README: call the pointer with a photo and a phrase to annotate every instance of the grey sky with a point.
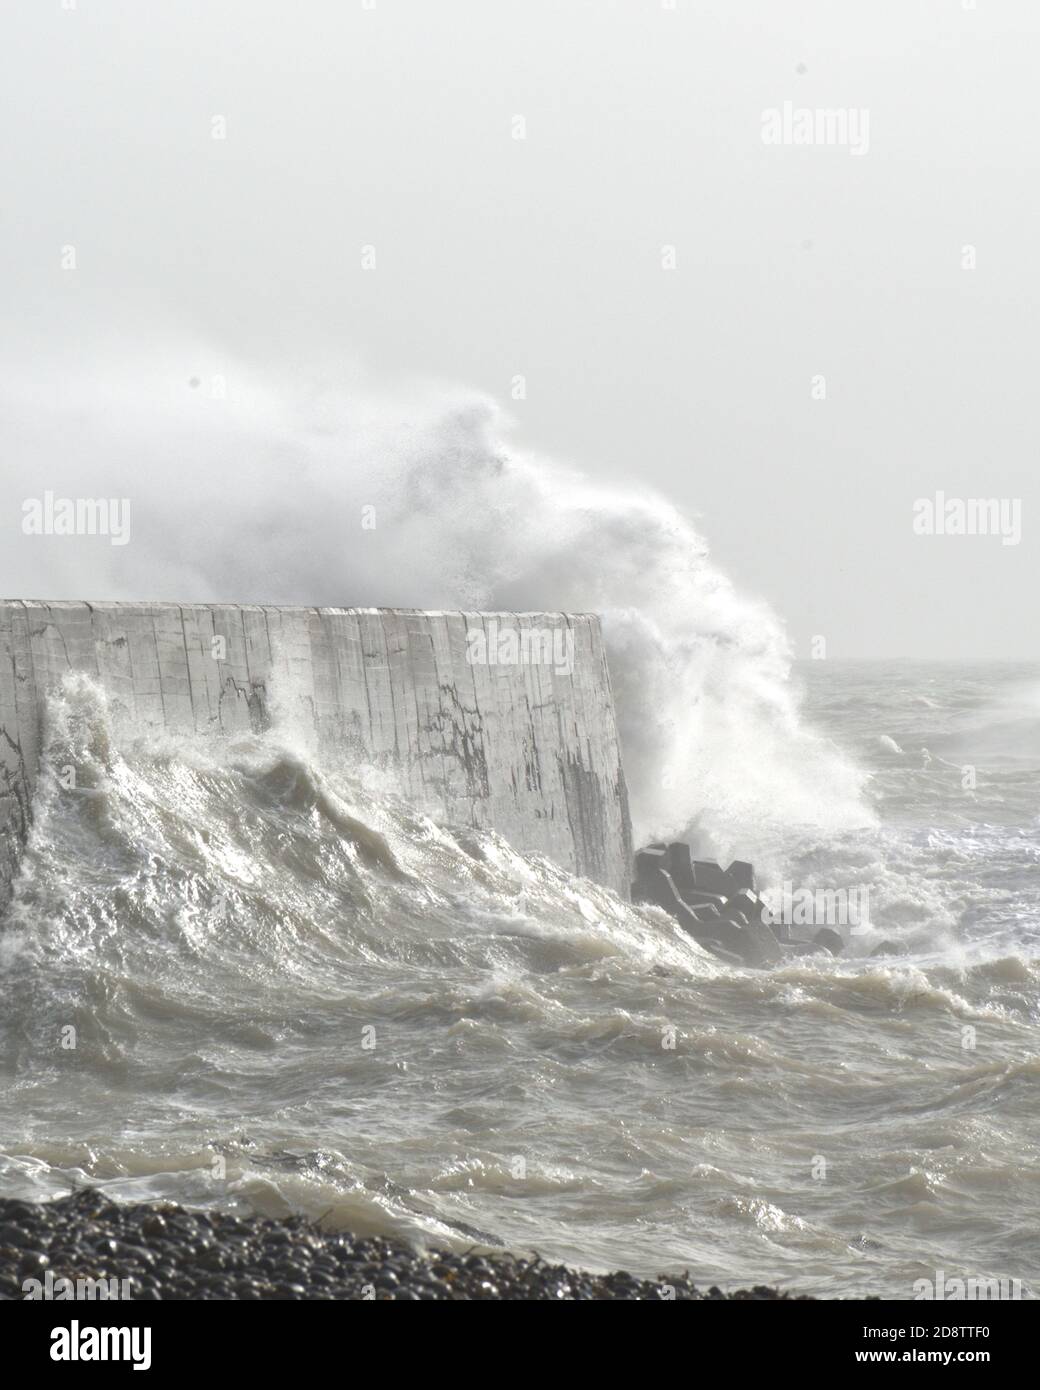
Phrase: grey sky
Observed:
(393, 127)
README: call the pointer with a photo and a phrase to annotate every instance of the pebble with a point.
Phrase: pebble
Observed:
(168, 1252)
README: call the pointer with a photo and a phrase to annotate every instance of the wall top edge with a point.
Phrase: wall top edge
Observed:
(113, 606)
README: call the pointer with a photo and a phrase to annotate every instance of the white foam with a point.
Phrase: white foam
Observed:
(260, 497)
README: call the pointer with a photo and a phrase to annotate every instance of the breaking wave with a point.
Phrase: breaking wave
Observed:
(259, 497)
(241, 975)
(290, 991)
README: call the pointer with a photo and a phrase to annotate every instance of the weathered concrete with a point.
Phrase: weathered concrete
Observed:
(529, 748)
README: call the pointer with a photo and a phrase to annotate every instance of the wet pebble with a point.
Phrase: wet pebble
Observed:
(168, 1252)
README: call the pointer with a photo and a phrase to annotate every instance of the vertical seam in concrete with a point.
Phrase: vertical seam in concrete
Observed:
(415, 701)
(272, 674)
(187, 667)
(158, 667)
(246, 694)
(390, 686)
(39, 697)
(364, 674)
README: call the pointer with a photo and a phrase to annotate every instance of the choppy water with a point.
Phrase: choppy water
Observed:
(290, 990)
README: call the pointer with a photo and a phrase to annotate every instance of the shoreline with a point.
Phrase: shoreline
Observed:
(162, 1251)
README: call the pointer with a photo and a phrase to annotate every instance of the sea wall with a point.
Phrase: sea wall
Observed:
(503, 721)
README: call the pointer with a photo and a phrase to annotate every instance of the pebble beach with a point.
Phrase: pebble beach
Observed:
(85, 1246)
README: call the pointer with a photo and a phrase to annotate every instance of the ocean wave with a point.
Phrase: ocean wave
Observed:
(306, 995)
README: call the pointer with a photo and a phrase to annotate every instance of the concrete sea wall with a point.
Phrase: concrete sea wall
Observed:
(526, 745)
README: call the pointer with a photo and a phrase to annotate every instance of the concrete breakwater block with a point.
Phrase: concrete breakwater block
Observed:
(700, 880)
(830, 940)
(750, 905)
(741, 876)
(749, 943)
(720, 908)
(889, 948)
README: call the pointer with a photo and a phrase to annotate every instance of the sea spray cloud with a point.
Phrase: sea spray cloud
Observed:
(269, 494)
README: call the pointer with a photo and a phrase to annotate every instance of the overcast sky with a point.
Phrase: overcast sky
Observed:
(392, 125)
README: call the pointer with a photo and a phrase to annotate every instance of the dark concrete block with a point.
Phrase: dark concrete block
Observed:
(710, 878)
(748, 904)
(698, 899)
(780, 929)
(830, 939)
(726, 920)
(741, 875)
(653, 857)
(680, 867)
(760, 947)
(649, 862)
